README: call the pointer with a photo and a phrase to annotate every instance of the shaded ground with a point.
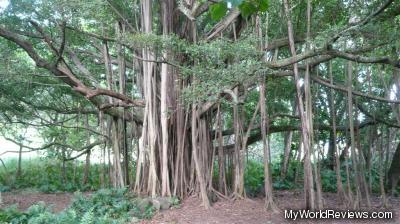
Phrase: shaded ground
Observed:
(251, 211)
(247, 211)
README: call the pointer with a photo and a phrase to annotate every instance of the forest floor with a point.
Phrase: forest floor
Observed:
(26, 198)
(249, 211)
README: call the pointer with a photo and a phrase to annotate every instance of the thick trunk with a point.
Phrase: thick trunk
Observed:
(197, 159)
(238, 158)
(199, 147)
(166, 93)
(146, 175)
(182, 167)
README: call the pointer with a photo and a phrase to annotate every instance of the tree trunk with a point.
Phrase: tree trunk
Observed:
(381, 172)
(356, 204)
(86, 172)
(19, 169)
(299, 161)
(198, 165)
(63, 166)
(221, 157)
(339, 184)
(149, 142)
(269, 201)
(166, 92)
(238, 185)
(286, 154)
(305, 120)
(394, 170)
(120, 30)
(118, 179)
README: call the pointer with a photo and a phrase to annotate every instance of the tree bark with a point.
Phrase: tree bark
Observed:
(286, 154)
(305, 121)
(339, 184)
(19, 169)
(269, 201)
(381, 172)
(356, 204)
(221, 157)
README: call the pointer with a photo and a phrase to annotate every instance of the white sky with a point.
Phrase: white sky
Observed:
(10, 146)
(3, 4)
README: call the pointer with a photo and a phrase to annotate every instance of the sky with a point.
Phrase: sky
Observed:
(4, 144)
(10, 146)
(3, 4)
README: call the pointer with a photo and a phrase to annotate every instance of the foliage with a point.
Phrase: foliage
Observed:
(246, 7)
(105, 206)
(254, 178)
(46, 175)
(54, 109)
(115, 204)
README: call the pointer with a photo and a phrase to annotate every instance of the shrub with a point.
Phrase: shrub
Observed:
(46, 175)
(106, 206)
(254, 178)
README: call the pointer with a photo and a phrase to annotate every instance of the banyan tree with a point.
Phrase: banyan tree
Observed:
(180, 89)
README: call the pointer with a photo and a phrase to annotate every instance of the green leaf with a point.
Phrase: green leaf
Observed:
(247, 8)
(218, 10)
(263, 5)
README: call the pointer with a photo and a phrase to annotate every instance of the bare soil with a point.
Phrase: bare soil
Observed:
(23, 199)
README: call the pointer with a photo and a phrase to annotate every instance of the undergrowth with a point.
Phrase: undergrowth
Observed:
(106, 206)
(254, 178)
(46, 175)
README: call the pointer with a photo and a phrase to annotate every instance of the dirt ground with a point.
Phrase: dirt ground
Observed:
(251, 211)
(23, 199)
(247, 211)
